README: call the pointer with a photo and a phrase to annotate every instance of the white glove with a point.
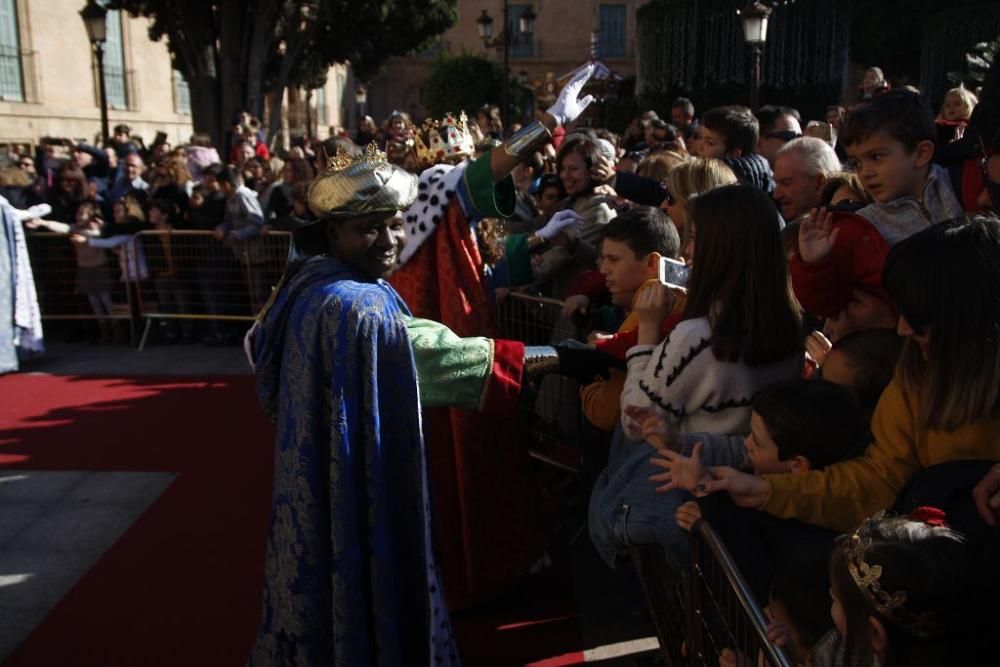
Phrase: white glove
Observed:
(34, 213)
(567, 107)
(558, 222)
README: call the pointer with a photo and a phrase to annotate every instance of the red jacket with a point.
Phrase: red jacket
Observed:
(857, 260)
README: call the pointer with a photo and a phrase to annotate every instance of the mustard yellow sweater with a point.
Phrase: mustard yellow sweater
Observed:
(844, 494)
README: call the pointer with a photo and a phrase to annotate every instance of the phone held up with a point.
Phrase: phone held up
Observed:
(673, 273)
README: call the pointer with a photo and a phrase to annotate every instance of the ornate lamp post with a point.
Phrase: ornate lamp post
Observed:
(503, 41)
(94, 19)
(755, 15)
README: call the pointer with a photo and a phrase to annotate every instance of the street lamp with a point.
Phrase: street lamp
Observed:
(95, 21)
(485, 24)
(503, 41)
(755, 15)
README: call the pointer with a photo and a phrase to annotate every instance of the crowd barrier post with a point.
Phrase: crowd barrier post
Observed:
(722, 612)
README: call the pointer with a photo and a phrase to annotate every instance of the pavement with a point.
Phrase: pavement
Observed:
(53, 528)
(197, 360)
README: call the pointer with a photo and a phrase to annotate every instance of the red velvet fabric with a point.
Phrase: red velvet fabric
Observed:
(486, 530)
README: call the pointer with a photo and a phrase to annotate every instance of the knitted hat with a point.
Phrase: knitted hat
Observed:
(752, 170)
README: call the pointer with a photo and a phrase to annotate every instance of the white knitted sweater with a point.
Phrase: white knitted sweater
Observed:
(692, 390)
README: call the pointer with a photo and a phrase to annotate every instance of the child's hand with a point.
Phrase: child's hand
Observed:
(218, 233)
(817, 236)
(681, 472)
(687, 515)
(744, 490)
(78, 239)
(654, 429)
(817, 347)
(777, 633)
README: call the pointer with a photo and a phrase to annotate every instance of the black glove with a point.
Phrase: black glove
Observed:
(585, 364)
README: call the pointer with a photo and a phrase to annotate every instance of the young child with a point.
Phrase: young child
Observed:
(796, 426)
(731, 134)
(891, 140)
(168, 273)
(93, 278)
(863, 362)
(954, 115)
(899, 587)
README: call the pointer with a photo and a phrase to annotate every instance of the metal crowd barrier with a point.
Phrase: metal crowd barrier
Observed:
(193, 276)
(550, 407)
(722, 612)
(163, 275)
(53, 263)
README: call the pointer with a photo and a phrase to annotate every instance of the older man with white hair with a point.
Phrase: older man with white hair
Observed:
(801, 168)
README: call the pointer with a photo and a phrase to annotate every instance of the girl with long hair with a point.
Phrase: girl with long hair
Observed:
(740, 330)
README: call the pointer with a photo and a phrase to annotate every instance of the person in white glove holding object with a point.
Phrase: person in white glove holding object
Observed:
(532, 137)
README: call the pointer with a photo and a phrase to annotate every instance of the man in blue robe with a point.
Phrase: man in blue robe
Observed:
(350, 577)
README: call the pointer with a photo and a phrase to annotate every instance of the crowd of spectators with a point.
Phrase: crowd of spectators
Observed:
(830, 351)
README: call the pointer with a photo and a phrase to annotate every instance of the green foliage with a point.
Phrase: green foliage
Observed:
(977, 64)
(464, 82)
(234, 52)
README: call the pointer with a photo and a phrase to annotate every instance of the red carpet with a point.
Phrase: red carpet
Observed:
(182, 585)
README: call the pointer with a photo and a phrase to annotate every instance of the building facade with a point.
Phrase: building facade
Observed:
(49, 79)
(561, 41)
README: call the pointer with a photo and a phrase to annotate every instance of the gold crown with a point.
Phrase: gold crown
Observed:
(891, 605)
(356, 185)
(343, 159)
(447, 140)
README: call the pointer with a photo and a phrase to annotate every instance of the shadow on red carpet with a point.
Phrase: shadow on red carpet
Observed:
(182, 585)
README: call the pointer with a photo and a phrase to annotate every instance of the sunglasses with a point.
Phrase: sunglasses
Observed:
(784, 135)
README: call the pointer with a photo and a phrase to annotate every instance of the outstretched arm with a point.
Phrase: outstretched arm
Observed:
(567, 108)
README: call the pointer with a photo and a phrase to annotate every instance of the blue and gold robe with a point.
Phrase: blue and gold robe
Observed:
(350, 575)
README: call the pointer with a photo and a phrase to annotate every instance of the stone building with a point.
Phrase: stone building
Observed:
(49, 84)
(561, 41)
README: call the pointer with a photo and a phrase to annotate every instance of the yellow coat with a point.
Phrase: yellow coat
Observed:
(844, 494)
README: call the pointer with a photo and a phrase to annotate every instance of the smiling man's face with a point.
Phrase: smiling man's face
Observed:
(370, 243)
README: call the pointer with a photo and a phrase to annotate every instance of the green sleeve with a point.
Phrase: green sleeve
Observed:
(450, 370)
(491, 200)
(518, 257)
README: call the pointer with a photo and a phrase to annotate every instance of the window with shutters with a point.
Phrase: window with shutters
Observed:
(182, 94)
(322, 115)
(611, 43)
(11, 74)
(115, 79)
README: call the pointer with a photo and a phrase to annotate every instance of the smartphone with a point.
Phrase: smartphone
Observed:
(673, 273)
